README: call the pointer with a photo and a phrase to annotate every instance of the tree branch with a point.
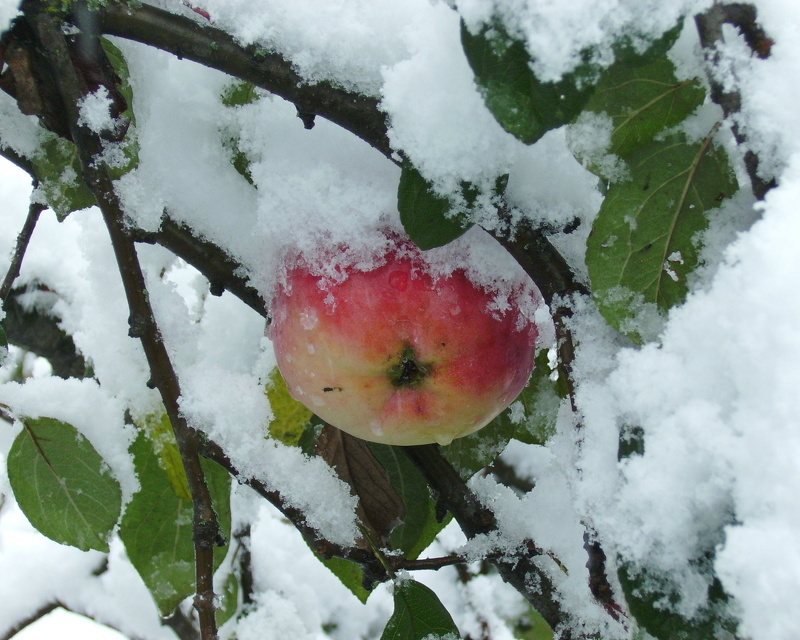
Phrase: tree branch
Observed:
(142, 320)
(221, 271)
(709, 27)
(520, 571)
(37, 615)
(39, 333)
(22, 245)
(371, 566)
(217, 49)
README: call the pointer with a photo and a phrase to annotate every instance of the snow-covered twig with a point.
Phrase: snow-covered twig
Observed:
(142, 320)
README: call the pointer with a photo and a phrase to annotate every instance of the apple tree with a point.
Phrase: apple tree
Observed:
(623, 161)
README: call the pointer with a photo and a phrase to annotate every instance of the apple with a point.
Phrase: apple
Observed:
(398, 354)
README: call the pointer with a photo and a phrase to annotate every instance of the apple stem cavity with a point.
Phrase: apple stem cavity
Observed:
(409, 372)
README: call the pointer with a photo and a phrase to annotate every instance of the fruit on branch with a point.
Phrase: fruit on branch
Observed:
(400, 354)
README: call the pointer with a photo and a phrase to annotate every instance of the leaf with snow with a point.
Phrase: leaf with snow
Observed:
(418, 615)
(643, 243)
(642, 101)
(428, 218)
(291, 419)
(62, 484)
(472, 453)
(522, 104)
(540, 401)
(58, 169)
(647, 603)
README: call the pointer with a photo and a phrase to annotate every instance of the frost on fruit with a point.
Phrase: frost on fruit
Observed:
(406, 354)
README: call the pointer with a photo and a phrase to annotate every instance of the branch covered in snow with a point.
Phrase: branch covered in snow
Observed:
(217, 49)
(142, 320)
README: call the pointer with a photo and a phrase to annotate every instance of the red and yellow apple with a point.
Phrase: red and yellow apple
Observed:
(397, 354)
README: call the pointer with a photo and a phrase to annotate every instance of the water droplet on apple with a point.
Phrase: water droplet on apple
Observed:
(318, 402)
(375, 427)
(399, 280)
(443, 438)
(456, 310)
(311, 348)
(309, 319)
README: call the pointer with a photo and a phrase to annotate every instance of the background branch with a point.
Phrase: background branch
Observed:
(39, 333)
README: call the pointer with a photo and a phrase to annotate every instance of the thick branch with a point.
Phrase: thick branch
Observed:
(217, 49)
(142, 321)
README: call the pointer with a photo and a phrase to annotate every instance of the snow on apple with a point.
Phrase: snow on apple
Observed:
(401, 354)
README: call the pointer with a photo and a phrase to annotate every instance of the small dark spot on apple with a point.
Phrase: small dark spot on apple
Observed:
(329, 389)
(444, 344)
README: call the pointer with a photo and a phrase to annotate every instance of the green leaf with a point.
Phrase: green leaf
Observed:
(292, 419)
(420, 525)
(349, 573)
(239, 93)
(120, 65)
(62, 484)
(229, 599)
(649, 601)
(626, 51)
(472, 453)
(541, 400)
(524, 106)
(418, 615)
(643, 101)
(157, 527)
(58, 168)
(533, 627)
(159, 431)
(3, 337)
(428, 218)
(129, 146)
(643, 243)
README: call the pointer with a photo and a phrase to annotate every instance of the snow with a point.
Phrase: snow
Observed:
(94, 111)
(714, 393)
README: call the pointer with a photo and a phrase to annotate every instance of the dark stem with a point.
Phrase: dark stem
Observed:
(709, 27)
(142, 321)
(37, 615)
(215, 264)
(521, 571)
(181, 625)
(22, 245)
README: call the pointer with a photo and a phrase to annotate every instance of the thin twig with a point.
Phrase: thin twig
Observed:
(23, 239)
(142, 321)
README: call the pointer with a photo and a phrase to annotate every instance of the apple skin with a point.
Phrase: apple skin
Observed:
(396, 355)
